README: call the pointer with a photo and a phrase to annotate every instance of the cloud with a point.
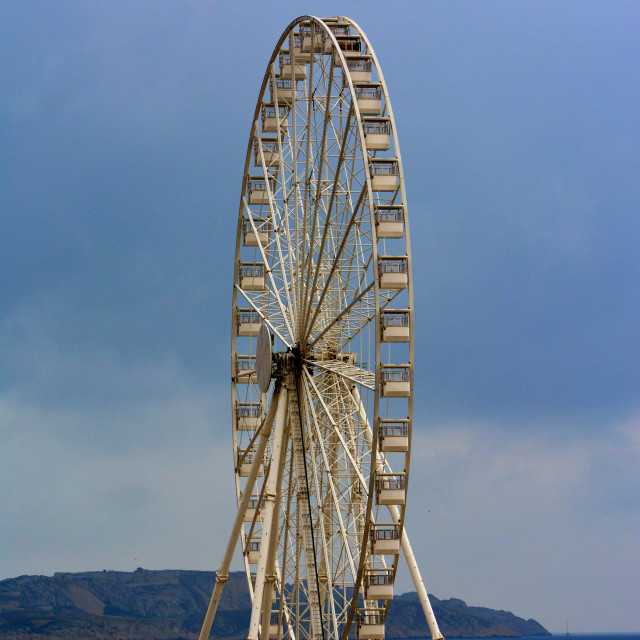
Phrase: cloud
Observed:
(631, 430)
(143, 486)
(124, 135)
(494, 510)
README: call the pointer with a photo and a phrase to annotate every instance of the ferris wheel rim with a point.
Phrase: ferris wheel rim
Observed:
(269, 74)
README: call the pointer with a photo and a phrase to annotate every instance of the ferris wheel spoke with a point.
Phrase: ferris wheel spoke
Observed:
(334, 267)
(291, 210)
(267, 266)
(356, 465)
(316, 147)
(302, 232)
(262, 315)
(271, 491)
(330, 205)
(355, 322)
(274, 220)
(347, 371)
(352, 290)
(338, 506)
(319, 173)
(286, 532)
(344, 560)
(359, 297)
(345, 472)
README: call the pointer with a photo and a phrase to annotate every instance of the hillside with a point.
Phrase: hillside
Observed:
(170, 605)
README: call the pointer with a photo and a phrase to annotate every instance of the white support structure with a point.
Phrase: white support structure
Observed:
(418, 582)
(265, 575)
(223, 573)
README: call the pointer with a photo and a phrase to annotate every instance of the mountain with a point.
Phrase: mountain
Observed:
(170, 605)
(456, 620)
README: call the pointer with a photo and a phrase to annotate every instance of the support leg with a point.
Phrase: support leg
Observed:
(417, 578)
(264, 584)
(279, 455)
(406, 546)
(223, 573)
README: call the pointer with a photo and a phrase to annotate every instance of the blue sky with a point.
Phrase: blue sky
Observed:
(124, 128)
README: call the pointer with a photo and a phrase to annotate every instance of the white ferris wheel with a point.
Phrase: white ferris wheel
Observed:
(322, 346)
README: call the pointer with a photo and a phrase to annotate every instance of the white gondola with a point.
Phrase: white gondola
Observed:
(274, 592)
(337, 26)
(248, 416)
(377, 133)
(257, 189)
(391, 488)
(359, 68)
(275, 627)
(292, 68)
(244, 369)
(351, 46)
(269, 120)
(378, 584)
(253, 510)
(395, 325)
(270, 152)
(248, 323)
(384, 174)
(396, 381)
(253, 551)
(370, 624)
(385, 539)
(298, 54)
(338, 29)
(312, 39)
(244, 462)
(393, 435)
(283, 88)
(250, 237)
(393, 272)
(369, 97)
(389, 220)
(252, 276)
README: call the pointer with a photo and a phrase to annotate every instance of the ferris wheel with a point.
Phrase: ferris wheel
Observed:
(322, 346)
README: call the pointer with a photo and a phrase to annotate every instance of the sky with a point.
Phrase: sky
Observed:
(123, 129)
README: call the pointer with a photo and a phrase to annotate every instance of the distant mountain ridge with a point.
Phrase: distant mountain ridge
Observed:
(170, 605)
